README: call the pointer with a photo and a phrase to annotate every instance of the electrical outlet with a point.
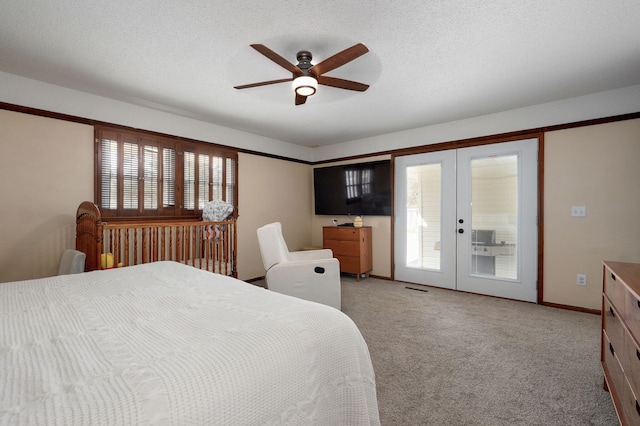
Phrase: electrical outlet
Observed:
(581, 280)
(578, 211)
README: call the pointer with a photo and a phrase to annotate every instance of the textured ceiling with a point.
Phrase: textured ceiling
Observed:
(429, 62)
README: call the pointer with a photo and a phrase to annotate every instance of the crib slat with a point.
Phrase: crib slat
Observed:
(125, 259)
(205, 245)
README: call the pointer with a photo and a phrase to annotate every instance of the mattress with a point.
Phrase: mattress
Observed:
(165, 343)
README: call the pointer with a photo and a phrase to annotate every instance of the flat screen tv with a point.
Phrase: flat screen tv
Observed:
(353, 189)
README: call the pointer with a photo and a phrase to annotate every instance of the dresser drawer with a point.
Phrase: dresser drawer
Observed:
(341, 233)
(615, 375)
(613, 326)
(343, 248)
(614, 289)
(632, 313)
(631, 362)
(630, 405)
(349, 264)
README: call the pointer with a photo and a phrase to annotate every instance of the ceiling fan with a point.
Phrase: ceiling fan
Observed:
(307, 76)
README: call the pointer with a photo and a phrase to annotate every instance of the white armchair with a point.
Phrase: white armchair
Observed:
(312, 275)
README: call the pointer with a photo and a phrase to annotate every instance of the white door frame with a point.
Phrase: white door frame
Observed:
(522, 288)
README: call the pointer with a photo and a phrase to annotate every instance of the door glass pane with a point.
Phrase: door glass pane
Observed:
(424, 195)
(494, 216)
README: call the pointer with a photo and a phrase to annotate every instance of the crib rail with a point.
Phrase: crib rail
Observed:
(204, 245)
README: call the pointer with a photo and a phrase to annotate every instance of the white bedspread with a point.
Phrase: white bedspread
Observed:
(164, 343)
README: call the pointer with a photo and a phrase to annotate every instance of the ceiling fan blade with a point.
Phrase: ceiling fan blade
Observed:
(342, 83)
(300, 99)
(263, 83)
(339, 59)
(277, 58)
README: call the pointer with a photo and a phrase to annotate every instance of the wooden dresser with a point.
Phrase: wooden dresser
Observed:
(620, 349)
(351, 246)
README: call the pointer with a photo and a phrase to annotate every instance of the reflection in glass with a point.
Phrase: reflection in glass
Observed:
(424, 195)
(494, 216)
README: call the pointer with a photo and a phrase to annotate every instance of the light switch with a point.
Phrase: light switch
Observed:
(578, 211)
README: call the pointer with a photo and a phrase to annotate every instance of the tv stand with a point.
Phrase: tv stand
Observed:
(351, 246)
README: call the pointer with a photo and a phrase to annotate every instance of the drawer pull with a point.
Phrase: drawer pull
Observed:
(638, 353)
(613, 314)
(613, 277)
(637, 407)
(638, 301)
(611, 348)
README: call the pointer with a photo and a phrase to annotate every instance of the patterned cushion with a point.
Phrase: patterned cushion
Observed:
(216, 211)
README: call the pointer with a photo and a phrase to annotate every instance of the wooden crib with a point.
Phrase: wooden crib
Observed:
(201, 244)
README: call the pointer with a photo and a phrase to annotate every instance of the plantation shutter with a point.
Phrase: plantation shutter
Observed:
(217, 178)
(168, 178)
(203, 180)
(130, 176)
(151, 177)
(109, 176)
(189, 180)
(230, 181)
(139, 174)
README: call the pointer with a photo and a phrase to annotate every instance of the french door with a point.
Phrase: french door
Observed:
(466, 219)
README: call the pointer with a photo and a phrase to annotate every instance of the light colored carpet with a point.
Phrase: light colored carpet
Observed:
(455, 359)
(451, 358)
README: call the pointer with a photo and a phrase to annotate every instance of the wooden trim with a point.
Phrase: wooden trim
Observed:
(496, 138)
(392, 228)
(98, 123)
(501, 137)
(466, 143)
(379, 277)
(572, 308)
(279, 157)
(540, 283)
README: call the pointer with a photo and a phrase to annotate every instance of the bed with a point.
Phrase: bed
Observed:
(166, 343)
(204, 244)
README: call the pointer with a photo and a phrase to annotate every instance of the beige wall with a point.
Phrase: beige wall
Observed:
(381, 228)
(271, 190)
(47, 170)
(597, 167)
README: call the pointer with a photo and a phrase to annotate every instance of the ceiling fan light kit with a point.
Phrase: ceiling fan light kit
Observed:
(305, 85)
(306, 76)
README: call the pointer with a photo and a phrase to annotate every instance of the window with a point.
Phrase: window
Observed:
(139, 174)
